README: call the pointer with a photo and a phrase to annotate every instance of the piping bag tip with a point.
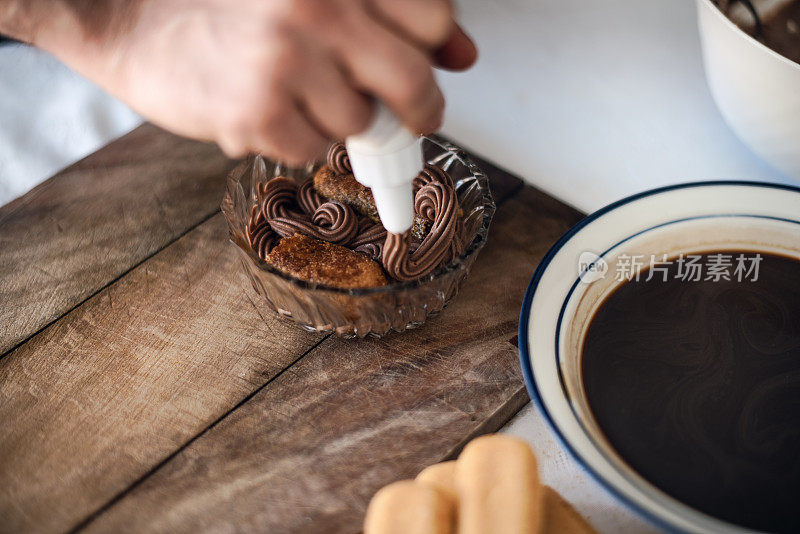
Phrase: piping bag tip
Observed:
(386, 158)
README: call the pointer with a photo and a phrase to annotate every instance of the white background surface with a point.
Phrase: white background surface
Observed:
(593, 100)
(590, 101)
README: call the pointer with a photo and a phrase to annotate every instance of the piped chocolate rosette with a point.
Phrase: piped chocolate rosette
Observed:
(338, 214)
(437, 203)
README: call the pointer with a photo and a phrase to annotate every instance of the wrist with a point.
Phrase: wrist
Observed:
(39, 22)
(17, 20)
(84, 35)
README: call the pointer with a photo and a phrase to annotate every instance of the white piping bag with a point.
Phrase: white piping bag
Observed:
(386, 157)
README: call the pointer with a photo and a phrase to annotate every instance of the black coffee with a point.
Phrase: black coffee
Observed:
(781, 32)
(696, 384)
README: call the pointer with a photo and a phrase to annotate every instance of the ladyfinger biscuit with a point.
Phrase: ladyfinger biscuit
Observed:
(320, 262)
(442, 476)
(346, 189)
(560, 517)
(498, 487)
(409, 507)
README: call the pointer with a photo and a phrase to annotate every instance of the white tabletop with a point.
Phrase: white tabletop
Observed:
(593, 101)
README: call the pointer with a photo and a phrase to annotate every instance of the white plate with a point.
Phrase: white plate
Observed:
(560, 301)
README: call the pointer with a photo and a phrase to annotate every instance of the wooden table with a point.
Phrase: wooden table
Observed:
(143, 388)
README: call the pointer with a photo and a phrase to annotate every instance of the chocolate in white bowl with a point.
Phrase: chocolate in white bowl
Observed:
(756, 89)
(566, 300)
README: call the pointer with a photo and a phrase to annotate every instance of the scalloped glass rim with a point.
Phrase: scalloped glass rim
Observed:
(450, 151)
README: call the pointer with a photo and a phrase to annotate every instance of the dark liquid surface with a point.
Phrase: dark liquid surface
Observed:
(781, 32)
(697, 387)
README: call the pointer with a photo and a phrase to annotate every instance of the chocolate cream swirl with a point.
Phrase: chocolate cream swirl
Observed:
(431, 173)
(278, 198)
(283, 209)
(260, 235)
(370, 238)
(436, 202)
(263, 239)
(338, 160)
(308, 198)
(332, 221)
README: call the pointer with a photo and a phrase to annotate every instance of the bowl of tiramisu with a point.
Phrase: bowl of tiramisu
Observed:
(313, 247)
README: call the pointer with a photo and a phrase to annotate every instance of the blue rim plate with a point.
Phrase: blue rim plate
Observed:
(553, 286)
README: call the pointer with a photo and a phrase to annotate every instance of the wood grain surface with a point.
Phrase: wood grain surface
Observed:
(81, 229)
(306, 453)
(107, 392)
(171, 400)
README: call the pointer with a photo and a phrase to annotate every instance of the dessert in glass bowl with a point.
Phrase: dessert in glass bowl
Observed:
(313, 247)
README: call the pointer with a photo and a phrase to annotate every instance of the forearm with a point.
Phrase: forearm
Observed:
(277, 77)
(65, 25)
(82, 33)
(18, 20)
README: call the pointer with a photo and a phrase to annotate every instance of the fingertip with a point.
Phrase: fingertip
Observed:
(232, 149)
(299, 158)
(361, 117)
(427, 117)
(433, 124)
(296, 147)
(458, 53)
(312, 153)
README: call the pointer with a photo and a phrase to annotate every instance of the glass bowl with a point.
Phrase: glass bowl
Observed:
(374, 311)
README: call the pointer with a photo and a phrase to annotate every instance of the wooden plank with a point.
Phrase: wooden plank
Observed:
(84, 227)
(102, 396)
(306, 452)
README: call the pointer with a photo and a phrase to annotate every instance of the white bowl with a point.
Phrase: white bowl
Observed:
(568, 287)
(756, 89)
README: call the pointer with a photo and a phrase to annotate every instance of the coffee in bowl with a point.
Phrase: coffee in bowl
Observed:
(679, 392)
(691, 369)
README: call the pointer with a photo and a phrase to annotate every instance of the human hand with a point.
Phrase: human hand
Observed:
(279, 77)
